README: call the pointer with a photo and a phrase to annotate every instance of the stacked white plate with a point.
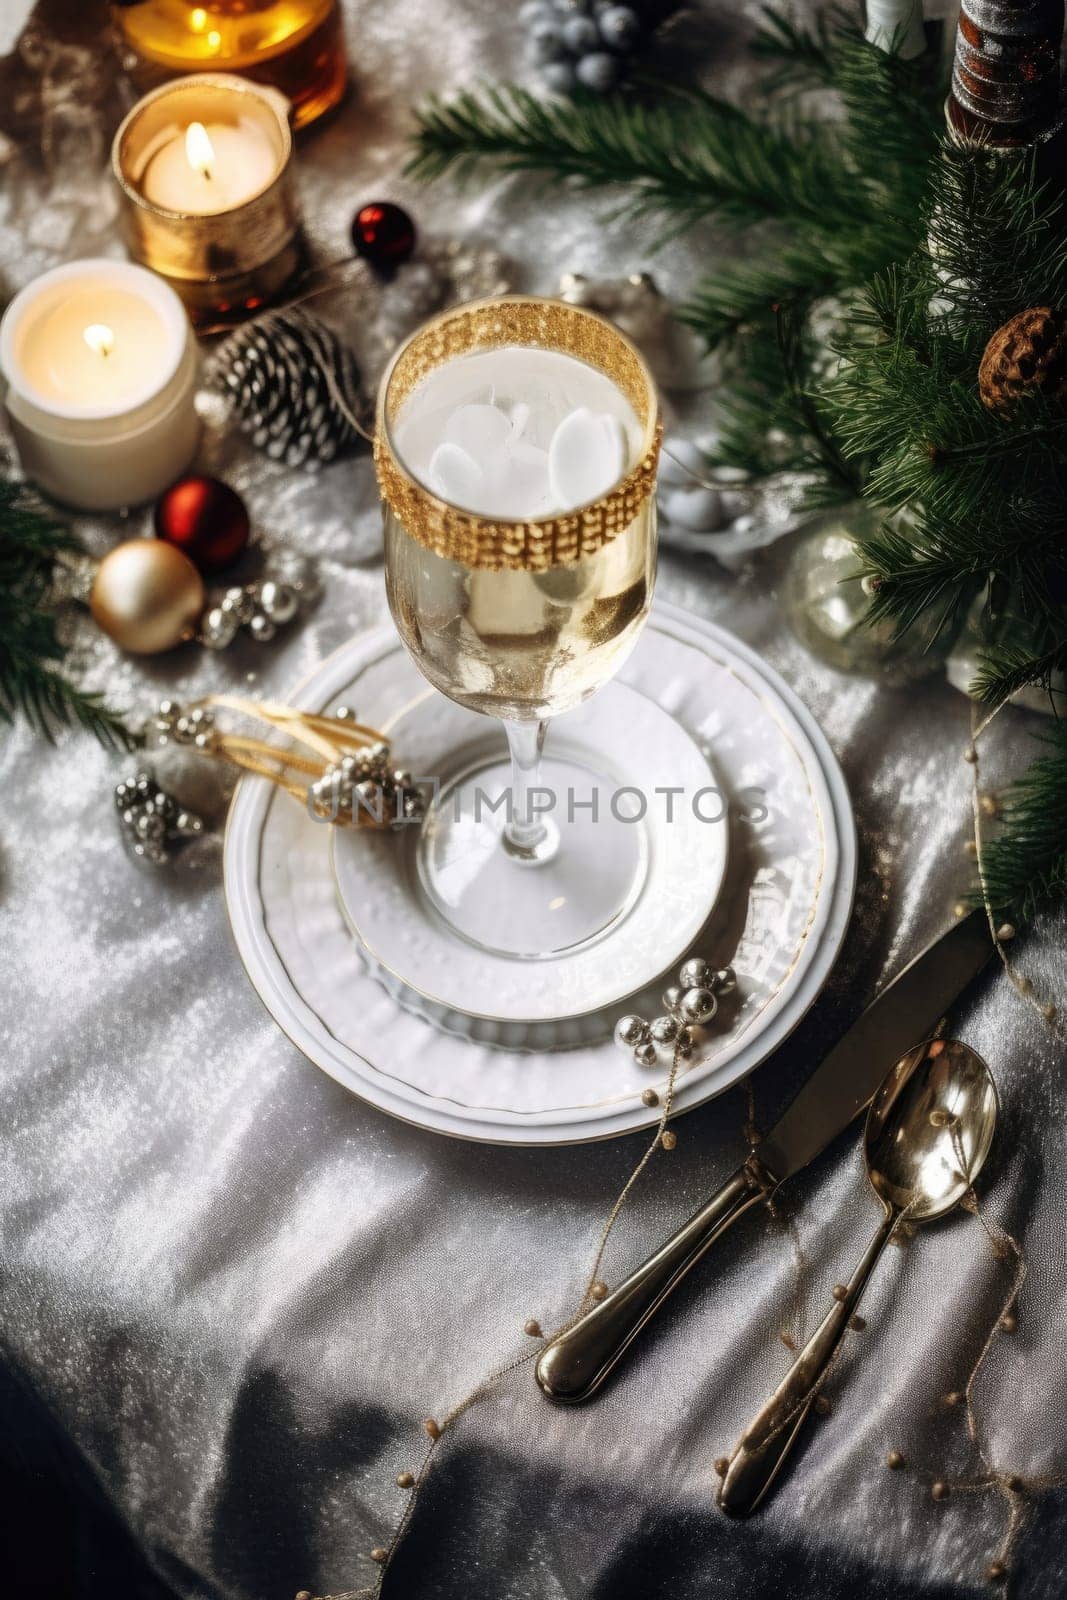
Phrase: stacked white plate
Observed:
(378, 992)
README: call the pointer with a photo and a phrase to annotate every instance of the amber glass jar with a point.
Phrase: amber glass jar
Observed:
(296, 45)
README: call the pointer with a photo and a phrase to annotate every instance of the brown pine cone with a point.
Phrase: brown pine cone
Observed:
(1027, 355)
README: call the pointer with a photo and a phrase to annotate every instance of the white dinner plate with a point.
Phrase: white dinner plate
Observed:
(779, 921)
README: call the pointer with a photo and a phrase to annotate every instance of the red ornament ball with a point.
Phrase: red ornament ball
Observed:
(383, 234)
(205, 519)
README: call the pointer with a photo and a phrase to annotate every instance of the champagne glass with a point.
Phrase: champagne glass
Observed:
(522, 619)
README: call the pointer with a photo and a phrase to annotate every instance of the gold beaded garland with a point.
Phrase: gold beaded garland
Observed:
(598, 1289)
(379, 1553)
(940, 1490)
(722, 1466)
(894, 1460)
(405, 1480)
(432, 1428)
(147, 596)
(668, 1139)
(533, 1328)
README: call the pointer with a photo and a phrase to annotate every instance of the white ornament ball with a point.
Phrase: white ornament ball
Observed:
(679, 460)
(697, 509)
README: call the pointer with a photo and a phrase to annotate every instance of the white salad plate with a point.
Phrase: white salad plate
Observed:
(639, 750)
(512, 1073)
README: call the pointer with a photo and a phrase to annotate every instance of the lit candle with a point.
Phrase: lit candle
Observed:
(210, 169)
(204, 165)
(100, 368)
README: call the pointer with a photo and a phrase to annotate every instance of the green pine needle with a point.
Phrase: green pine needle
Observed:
(1025, 866)
(688, 156)
(31, 680)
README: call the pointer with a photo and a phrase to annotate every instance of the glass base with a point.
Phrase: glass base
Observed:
(564, 891)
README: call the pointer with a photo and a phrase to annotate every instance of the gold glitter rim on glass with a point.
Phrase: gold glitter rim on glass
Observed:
(485, 542)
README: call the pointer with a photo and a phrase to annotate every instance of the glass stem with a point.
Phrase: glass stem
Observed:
(524, 830)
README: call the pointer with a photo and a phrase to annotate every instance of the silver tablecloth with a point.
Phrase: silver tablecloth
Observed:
(237, 1290)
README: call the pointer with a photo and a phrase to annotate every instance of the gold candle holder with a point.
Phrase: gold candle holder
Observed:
(204, 168)
(297, 46)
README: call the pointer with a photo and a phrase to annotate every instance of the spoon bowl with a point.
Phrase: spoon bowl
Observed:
(929, 1129)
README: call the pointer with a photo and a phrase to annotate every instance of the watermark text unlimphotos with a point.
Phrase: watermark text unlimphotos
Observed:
(628, 804)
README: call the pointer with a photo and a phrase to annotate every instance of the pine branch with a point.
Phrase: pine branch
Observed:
(31, 682)
(689, 156)
(800, 56)
(1026, 865)
(1008, 668)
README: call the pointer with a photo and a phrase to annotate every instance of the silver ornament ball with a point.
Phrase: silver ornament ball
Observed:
(261, 628)
(699, 1006)
(664, 1030)
(694, 973)
(631, 1030)
(671, 998)
(219, 628)
(278, 600)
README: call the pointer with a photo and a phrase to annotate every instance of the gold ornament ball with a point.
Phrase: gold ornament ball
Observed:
(1028, 355)
(147, 596)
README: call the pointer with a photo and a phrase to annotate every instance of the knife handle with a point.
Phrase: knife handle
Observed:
(767, 1441)
(574, 1365)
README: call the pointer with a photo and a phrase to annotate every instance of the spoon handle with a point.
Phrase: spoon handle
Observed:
(767, 1441)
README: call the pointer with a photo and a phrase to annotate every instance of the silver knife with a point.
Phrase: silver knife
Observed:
(574, 1365)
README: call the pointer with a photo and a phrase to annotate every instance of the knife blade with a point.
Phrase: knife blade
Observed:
(574, 1365)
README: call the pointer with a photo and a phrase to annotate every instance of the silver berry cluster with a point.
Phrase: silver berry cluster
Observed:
(690, 1003)
(174, 725)
(153, 822)
(261, 608)
(581, 42)
(365, 786)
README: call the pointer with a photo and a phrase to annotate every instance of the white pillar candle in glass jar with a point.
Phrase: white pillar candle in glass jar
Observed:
(100, 367)
(204, 167)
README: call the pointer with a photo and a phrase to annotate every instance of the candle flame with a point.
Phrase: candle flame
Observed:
(199, 150)
(198, 19)
(99, 337)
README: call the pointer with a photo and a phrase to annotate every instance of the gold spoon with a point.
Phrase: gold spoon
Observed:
(928, 1132)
